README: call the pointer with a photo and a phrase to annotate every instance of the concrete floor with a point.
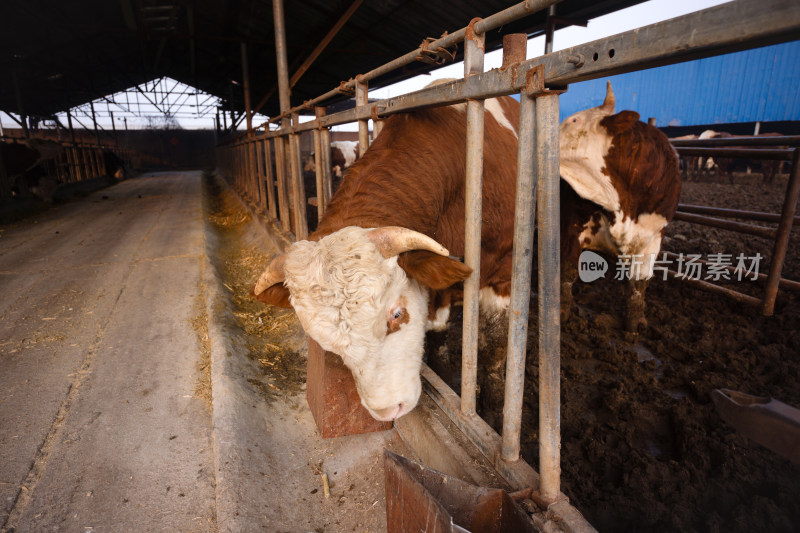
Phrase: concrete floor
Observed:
(103, 427)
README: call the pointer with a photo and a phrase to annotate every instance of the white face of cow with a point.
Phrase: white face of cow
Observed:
(583, 145)
(362, 306)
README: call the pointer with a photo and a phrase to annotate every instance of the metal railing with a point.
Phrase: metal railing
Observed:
(784, 148)
(729, 27)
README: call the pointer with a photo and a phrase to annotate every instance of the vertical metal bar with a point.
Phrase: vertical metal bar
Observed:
(327, 178)
(280, 169)
(94, 122)
(298, 187)
(321, 199)
(5, 183)
(782, 238)
(362, 99)
(377, 127)
(473, 64)
(259, 175)
(514, 48)
(269, 180)
(22, 117)
(282, 154)
(550, 27)
(549, 295)
(246, 87)
(280, 54)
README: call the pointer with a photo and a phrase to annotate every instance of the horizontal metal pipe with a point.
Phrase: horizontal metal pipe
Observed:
(743, 153)
(783, 140)
(784, 283)
(741, 227)
(736, 295)
(733, 213)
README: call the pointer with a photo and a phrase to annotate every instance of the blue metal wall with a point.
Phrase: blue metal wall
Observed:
(755, 85)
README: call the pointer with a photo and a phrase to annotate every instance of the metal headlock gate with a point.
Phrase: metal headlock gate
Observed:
(246, 160)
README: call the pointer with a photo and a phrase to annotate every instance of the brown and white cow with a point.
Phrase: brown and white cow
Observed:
(626, 183)
(343, 155)
(378, 271)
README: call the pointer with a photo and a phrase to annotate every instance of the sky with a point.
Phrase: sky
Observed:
(627, 19)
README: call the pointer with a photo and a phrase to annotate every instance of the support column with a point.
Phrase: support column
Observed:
(473, 64)
(282, 152)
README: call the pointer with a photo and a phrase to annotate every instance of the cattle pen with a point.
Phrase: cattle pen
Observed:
(246, 162)
(374, 265)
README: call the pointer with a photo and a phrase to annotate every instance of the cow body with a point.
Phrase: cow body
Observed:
(360, 294)
(629, 171)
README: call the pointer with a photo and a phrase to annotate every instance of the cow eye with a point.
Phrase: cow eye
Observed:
(396, 318)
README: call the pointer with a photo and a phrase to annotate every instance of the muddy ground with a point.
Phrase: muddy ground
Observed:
(643, 447)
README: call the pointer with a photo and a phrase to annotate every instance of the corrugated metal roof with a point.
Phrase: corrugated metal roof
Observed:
(754, 85)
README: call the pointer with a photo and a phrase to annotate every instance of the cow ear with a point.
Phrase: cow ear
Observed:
(433, 270)
(622, 121)
(277, 295)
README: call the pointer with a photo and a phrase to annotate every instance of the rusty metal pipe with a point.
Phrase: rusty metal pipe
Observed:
(782, 140)
(734, 213)
(280, 170)
(473, 64)
(784, 283)
(269, 180)
(362, 100)
(524, 214)
(782, 238)
(741, 227)
(740, 153)
(318, 173)
(547, 155)
(736, 295)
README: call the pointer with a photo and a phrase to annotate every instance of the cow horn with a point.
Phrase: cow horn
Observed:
(273, 274)
(394, 240)
(608, 103)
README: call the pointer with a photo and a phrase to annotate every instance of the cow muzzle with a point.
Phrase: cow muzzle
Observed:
(390, 413)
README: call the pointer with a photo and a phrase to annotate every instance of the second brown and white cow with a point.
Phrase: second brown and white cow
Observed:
(626, 182)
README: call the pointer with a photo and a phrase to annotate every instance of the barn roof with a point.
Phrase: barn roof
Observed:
(58, 54)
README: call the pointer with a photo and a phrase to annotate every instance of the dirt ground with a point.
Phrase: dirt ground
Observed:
(643, 447)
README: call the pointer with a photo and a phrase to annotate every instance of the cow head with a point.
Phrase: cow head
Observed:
(363, 294)
(584, 140)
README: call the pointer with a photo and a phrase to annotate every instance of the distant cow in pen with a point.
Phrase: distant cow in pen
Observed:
(624, 189)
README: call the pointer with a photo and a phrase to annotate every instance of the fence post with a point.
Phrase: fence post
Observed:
(514, 48)
(782, 238)
(473, 64)
(269, 179)
(549, 234)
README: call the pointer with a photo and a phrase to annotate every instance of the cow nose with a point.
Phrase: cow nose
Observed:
(389, 414)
